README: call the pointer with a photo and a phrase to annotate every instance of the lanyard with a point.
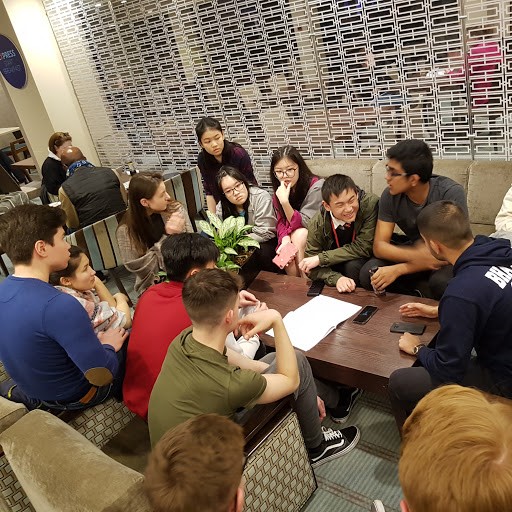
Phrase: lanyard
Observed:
(336, 234)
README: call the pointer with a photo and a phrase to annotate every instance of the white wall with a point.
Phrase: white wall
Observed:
(48, 102)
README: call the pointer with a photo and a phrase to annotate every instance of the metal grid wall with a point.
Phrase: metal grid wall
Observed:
(335, 78)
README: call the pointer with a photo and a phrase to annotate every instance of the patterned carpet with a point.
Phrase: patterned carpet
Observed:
(369, 472)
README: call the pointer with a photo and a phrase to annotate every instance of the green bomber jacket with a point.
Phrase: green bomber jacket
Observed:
(321, 239)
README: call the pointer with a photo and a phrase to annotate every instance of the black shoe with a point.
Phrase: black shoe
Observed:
(347, 400)
(336, 443)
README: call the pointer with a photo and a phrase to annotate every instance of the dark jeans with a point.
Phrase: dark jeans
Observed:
(408, 386)
(260, 260)
(305, 398)
(431, 284)
(351, 269)
(10, 390)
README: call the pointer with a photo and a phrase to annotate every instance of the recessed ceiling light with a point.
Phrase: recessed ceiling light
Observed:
(98, 4)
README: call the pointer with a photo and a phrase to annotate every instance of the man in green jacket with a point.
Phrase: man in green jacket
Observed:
(340, 235)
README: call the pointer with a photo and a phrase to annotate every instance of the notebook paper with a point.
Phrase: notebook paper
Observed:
(312, 322)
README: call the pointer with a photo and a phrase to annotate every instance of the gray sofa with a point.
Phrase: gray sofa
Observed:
(485, 182)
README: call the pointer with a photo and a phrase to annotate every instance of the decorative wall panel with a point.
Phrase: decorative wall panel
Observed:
(335, 78)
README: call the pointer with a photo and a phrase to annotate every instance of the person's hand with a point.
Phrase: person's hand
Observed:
(321, 408)
(345, 284)
(407, 342)
(283, 193)
(114, 337)
(247, 299)
(385, 276)
(255, 323)
(261, 306)
(286, 240)
(310, 263)
(97, 281)
(414, 309)
(427, 259)
(175, 223)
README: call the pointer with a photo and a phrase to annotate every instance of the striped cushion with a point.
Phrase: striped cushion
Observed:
(100, 241)
(187, 188)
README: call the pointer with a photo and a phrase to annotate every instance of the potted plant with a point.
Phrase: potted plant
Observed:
(230, 236)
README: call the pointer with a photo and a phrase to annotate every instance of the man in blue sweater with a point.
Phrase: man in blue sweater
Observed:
(475, 312)
(47, 343)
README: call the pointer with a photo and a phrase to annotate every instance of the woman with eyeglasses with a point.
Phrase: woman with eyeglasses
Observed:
(297, 197)
(254, 204)
(216, 152)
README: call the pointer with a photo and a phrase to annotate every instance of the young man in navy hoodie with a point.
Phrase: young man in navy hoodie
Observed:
(475, 312)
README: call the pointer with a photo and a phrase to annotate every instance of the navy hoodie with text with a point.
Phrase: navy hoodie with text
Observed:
(475, 311)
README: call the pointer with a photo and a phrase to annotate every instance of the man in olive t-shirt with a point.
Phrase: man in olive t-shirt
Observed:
(190, 368)
(200, 375)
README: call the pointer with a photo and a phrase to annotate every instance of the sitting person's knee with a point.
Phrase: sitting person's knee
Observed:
(299, 237)
(364, 273)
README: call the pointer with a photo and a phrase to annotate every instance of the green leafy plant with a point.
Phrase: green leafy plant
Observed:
(230, 236)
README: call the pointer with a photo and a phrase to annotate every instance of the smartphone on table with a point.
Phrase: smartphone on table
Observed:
(365, 314)
(403, 327)
(316, 288)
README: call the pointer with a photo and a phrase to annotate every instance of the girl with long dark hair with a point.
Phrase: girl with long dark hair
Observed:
(297, 197)
(240, 198)
(216, 152)
(151, 216)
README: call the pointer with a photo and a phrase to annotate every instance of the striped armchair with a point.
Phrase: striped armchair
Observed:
(187, 188)
(99, 239)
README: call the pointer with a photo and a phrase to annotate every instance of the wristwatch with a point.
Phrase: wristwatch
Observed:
(416, 349)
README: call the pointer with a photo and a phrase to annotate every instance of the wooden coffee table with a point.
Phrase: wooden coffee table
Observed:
(363, 356)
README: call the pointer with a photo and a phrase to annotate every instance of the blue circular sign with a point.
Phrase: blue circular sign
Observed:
(12, 66)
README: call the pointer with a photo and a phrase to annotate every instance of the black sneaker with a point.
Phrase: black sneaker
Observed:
(341, 412)
(336, 443)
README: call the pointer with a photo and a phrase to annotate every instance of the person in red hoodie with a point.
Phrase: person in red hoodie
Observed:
(160, 315)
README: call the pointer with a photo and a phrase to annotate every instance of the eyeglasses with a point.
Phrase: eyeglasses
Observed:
(288, 173)
(237, 188)
(393, 175)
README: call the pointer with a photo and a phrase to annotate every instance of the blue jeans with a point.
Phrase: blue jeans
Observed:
(10, 390)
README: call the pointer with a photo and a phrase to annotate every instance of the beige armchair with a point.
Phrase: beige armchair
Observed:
(60, 470)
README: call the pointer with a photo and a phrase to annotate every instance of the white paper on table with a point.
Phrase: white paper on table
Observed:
(312, 322)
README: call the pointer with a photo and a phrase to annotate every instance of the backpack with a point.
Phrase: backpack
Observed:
(9, 201)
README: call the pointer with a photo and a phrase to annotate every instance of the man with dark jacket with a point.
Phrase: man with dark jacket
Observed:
(90, 193)
(340, 235)
(475, 313)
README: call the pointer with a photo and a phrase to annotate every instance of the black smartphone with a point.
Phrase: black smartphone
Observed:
(365, 314)
(402, 327)
(316, 288)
